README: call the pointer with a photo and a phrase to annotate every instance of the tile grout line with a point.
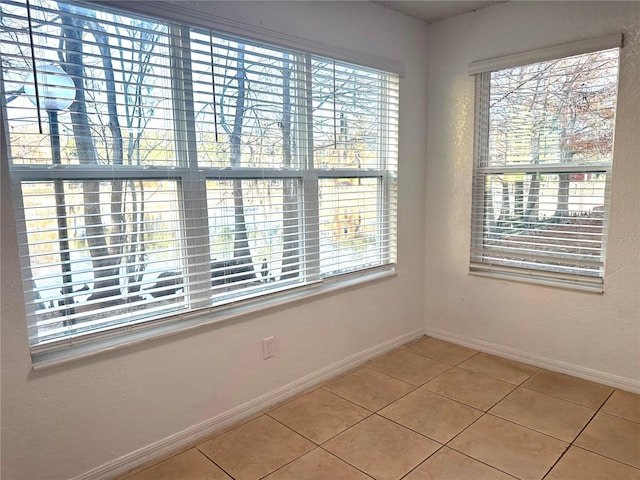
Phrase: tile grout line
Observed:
(613, 414)
(370, 414)
(485, 413)
(212, 461)
(572, 443)
(557, 461)
(414, 388)
(264, 414)
(288, 463)
(391, 376)
(395, 423)
(571, 402)
(446, 444)
(619, 417)
(413, 353)
(438, 360)
(412, 430)
(528, 428)
(376, 413)
(599, 410)
(493, 466)
(466, 404)
(423, 461)
(349, 428)
(481, 461)
(574, 402)
(343, 460)
(438, 394)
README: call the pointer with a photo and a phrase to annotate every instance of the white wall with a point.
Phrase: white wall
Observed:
(588, 334)
(64, 421)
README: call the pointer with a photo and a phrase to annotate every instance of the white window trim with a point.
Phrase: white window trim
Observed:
(93, 343)
(127, 336)
(481, 69)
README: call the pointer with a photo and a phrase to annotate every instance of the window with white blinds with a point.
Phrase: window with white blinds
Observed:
(160, 170)
(544, 149)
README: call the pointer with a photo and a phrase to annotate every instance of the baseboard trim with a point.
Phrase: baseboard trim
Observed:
(615, 381)
(192, 435)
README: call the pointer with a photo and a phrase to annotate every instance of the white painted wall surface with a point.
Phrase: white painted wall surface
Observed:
(592, 335)
(64, 421)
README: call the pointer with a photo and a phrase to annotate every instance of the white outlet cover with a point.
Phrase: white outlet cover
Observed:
(267, 348)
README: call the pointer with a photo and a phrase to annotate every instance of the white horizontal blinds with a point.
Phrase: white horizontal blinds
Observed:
(252, 248)
(355, 122)
(545, 221)
(244, 104)
(120, 66)
(558, 112)
(247, 101)
(98, 251)
(122, 261)
(352, 231)
(186, 170)
(349, 106)
(541, 190)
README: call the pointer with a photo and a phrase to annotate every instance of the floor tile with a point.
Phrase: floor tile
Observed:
(612, 437)
(548, 415)
(369, 389)
(318, 465)
(498, 419)
(623, 404)
(189, 465)
(473, 389)
(447, 464)
(583, 465)
(582, 392)
(517, 450)
(319, 415)
(500, 368)
(409, 367)
(432, 415)
(441, 351)
(256, 448)
(381, 448)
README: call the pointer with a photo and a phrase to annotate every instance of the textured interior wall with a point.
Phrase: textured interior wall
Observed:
(589, 331)
(66, 420)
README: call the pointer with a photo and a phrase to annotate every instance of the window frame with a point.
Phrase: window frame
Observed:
(191, 181)
(481, 70)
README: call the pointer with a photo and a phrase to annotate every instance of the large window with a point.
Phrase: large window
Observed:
(544, 148)
(161, 170)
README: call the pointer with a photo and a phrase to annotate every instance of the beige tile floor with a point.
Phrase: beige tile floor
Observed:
(429, 411)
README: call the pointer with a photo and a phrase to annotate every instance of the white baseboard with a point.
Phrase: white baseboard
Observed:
(623, 383)
(192, 435)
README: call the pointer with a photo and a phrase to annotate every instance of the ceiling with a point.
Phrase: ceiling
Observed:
(432, 11)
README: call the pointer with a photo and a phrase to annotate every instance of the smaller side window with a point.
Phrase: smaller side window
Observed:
(544, 152)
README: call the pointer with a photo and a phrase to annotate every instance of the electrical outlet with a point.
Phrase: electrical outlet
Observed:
(267, 348)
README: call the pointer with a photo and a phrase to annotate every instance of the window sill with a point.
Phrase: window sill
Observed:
(585, 284)
(109, 341)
